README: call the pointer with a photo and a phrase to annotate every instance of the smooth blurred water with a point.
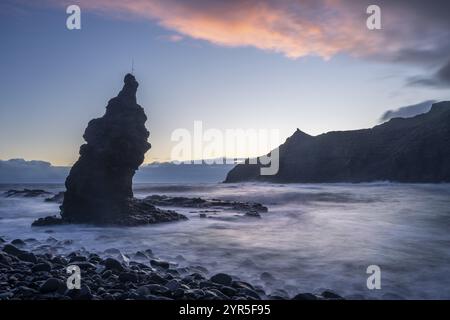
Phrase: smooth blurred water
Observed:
(314, 237)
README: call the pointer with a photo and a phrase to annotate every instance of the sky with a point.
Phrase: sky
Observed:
(265, 64)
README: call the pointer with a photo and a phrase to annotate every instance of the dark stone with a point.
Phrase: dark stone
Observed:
(327, 294)
(48, 221)
(229, 291)
(41, 267)
(99, 185)
(403, 150)
(83, 265)
(13, 250)
(160, 264)
(305, 296)
(128, 277)
(253, 214)
(156, 278)
(5, 259)
(18, 242)
(173, 285)
(2, 240)
(222, 278)
(84, 293)
(78, 259)
(162, 200)
(59, 260)
(113, 264)
(157, 289)
(28, 193)
(249, 293)
(28, 257)
(242, 284)
(52, 285)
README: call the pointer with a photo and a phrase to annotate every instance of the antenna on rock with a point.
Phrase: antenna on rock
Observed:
(132, 65)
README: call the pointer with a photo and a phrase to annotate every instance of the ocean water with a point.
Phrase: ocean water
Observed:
(314, 237)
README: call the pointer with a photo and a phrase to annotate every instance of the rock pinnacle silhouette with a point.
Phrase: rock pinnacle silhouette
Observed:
(99, 185)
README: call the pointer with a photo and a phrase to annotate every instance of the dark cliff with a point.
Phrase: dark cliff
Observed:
(404, 150)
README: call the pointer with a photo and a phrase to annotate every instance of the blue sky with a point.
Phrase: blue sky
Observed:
(53, 81)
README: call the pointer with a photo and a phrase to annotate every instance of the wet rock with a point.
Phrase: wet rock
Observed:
(242, 284)
(28, 193)
(157, 289)
(156, 278)
(48, 221)
(249, 293)
(163, 200)
(59, 260)
(52, 285)
(13, 250)
(128, 277)
(28, 257)
(305, 296)
(5, 259)
(42, 267)
(160, 264)
(253, 214)
(18, 242)
(141, 255)
(222, 278)
(78, 259)
(328, 294)
(173, 285)
(84, 293)
(113, 264)
(83, 265)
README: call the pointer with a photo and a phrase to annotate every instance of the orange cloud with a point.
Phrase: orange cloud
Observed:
(294, 28)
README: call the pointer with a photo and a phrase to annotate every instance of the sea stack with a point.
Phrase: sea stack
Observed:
(99, 186)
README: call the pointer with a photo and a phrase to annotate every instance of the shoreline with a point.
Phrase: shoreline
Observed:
(40, 273)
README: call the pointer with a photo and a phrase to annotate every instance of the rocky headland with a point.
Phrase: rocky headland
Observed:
(411, 150)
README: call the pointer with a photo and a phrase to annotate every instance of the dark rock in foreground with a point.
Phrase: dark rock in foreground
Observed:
(104, 277)
(403, 150)
(99, 186)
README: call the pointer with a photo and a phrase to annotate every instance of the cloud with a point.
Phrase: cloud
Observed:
(300, 28)
(408, 111)
(20, 170)
(172, 37)
(440, 79)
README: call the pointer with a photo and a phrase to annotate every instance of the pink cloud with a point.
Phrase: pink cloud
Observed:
(294, 28)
